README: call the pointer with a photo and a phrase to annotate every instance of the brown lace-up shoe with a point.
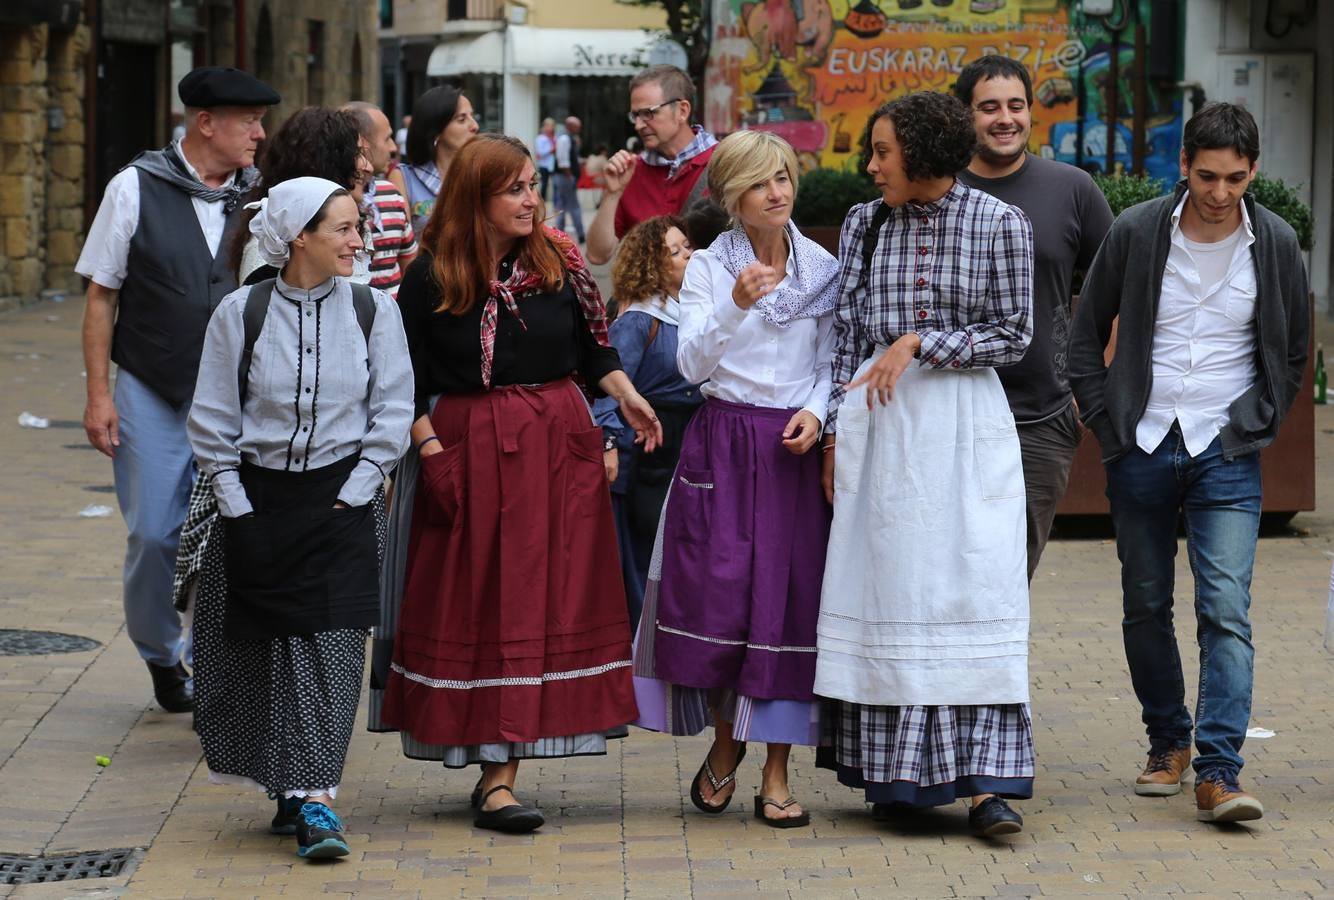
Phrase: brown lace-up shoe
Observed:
(1162, 773)
(1218, 798)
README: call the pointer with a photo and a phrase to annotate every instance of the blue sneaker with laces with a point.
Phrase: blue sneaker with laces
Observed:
(319, 833)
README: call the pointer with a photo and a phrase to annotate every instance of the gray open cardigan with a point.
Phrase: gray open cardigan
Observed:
(1126, 280)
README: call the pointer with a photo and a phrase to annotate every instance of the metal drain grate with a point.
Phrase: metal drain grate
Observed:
(21, 642)
(73, 867)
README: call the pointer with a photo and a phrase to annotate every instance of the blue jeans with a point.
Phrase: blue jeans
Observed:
(1220, 500)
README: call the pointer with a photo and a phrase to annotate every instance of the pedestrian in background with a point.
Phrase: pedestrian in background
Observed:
(569, 153)
(442, 122)
(155, 274)
(291, 584)
(728, 626)
(392, 244)
(646, 280)
(923, 647)
(544, 155)
(668, 175)
(510, 639)
(1210, 292)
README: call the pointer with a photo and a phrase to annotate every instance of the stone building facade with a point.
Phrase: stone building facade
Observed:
(42, 145)
(79, 97)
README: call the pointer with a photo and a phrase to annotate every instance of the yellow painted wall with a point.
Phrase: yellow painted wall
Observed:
(593, 14)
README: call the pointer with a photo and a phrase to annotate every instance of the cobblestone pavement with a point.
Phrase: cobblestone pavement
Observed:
(620, 825)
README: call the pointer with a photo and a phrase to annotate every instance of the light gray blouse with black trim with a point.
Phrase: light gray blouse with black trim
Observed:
(318, 392)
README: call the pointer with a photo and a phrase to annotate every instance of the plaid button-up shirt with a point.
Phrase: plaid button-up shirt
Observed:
(958, 271)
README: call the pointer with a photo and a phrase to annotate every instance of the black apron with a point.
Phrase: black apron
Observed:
(299, 566)
(647, 491)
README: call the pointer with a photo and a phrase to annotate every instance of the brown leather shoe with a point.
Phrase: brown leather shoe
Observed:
(1218, 798)
(1162, 773)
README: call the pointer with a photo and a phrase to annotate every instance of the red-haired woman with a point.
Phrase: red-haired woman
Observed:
(511, 640)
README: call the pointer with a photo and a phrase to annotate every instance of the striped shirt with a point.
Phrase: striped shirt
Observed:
(392, 237)
(958, 271)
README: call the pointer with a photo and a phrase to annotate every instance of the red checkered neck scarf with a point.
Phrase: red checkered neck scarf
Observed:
(521, 283)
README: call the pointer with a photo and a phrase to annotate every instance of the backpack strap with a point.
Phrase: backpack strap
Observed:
(253, 315)
(364, 303)
(872, 237)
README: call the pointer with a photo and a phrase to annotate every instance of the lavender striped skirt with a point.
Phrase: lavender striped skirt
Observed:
(733, 589)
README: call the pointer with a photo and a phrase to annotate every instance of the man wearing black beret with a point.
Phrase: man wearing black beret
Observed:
(154, 275)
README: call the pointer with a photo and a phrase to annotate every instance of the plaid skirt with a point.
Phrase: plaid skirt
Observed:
(929, 755)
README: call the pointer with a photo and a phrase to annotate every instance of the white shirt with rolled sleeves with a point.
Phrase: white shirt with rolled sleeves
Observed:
(1204, 341)
(741, 357)
(106, 251)
(318, 392)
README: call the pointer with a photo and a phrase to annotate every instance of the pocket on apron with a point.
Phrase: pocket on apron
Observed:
(586, 488)
(692, 505)
(442, 484)
(1000, 469)
(351, 567)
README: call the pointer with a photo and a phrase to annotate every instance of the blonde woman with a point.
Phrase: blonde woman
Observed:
(728, 630)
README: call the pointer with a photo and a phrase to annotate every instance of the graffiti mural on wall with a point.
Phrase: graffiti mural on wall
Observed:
(813, 70)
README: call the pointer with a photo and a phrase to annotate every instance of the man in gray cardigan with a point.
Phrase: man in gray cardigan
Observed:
(1211, 295)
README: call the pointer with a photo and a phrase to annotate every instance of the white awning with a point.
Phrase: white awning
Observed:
(476, 54)
(545, 51)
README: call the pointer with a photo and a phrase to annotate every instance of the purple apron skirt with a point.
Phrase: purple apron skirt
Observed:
(733, 593)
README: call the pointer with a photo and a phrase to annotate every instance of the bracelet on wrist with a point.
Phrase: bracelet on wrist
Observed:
(428, 440)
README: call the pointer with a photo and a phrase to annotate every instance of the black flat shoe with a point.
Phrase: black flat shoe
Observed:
(993, 817)
(697, 797)
(787, 822)
(173, 688)
(514, 819)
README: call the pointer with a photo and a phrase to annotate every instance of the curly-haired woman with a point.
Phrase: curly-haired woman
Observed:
(646, 280)
(923, 633)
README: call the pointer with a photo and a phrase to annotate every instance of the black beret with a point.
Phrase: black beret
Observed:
(210, 86)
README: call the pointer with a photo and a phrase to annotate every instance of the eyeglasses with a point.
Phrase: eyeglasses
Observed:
(649, 112)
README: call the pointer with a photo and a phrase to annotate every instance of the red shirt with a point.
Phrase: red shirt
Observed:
(650, 194)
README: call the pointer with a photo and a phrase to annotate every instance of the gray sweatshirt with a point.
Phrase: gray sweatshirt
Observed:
(1125, 281)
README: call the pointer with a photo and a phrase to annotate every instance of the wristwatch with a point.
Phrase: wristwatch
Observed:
(608, 443)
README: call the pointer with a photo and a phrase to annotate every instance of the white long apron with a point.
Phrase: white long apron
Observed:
(925, 597)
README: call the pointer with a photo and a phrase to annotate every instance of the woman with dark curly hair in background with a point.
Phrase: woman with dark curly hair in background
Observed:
(923, 631)
(320, 143)
(646, 281)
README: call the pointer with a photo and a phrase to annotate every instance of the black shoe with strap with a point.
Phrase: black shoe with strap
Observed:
(173, 688)
(513, 819)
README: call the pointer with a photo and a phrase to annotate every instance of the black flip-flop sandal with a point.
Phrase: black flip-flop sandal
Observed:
(697, 798)
(790, 822)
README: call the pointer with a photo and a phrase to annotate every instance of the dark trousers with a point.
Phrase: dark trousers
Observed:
(1048, 450)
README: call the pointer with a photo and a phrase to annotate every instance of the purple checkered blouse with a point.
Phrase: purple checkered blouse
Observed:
(958, 271)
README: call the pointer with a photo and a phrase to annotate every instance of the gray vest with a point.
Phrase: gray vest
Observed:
(171, 287)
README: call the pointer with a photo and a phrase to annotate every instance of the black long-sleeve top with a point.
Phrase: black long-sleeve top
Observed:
(446, 349)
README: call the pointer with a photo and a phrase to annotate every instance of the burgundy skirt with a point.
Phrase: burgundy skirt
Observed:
(513, 626)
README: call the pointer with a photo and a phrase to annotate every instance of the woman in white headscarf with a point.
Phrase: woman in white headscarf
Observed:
(302, 406)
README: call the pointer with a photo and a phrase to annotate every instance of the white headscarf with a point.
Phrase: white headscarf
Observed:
(284, 212)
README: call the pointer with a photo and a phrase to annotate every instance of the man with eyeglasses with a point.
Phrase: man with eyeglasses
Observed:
(664, 179)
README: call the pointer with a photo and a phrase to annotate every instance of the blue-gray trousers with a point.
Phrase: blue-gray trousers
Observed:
(154, 469)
